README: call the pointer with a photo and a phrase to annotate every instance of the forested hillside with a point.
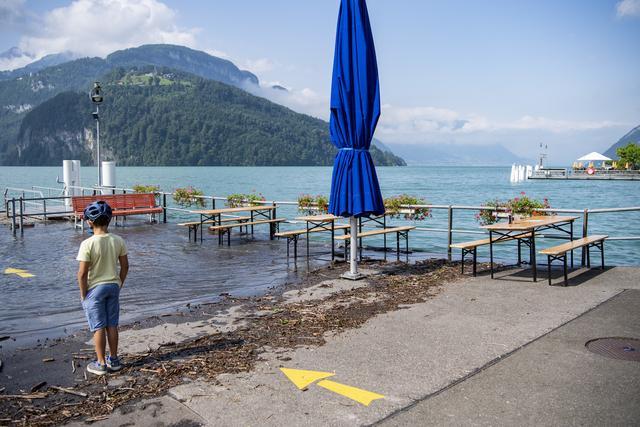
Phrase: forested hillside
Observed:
(164, 105)
(164, 117)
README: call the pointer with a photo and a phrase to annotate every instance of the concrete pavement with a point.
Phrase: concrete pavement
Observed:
(450, 350)
(554, 380)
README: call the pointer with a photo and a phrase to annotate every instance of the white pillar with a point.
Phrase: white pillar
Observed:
(108, 177)
(70, 178)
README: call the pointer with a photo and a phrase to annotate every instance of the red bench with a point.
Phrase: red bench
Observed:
(121, 204)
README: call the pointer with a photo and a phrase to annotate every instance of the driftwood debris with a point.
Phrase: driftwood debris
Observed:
(4, 337)
(38, 386)
(81, 357)
(68, 391)
(286, 326)
(23, 396)
(98, 418)
(48, 359)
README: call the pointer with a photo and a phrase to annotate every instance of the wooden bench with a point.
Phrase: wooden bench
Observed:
(560, 252)
(294, 235)
(226, 228)
(193, 225)
(121, 204)
(471, 247)
(402, 231)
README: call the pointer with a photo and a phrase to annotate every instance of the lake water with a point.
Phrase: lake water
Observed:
(168, 270)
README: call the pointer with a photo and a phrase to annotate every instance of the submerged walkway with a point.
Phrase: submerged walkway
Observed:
(482, 352)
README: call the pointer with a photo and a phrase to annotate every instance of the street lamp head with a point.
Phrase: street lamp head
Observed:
(96, 93)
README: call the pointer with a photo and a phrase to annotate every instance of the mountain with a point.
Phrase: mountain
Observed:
(156, 116)
(33, 86)
(42, 63)
(632, 136)
(457, 154)
(183, 59)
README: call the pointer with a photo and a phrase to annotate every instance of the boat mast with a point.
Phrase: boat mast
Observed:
(542, 157)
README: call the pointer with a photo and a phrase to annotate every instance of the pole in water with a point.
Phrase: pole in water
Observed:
(13, 215)
(21, 218)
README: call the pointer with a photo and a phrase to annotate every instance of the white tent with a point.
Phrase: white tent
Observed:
(593, 157)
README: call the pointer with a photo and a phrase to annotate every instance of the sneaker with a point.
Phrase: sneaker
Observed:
(96, 368)
(113, 363)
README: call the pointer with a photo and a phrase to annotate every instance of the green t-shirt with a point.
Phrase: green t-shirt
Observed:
(102, 252)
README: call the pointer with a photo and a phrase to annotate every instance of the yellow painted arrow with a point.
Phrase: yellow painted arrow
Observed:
(303, 379)
(22, 273)
(359, 395)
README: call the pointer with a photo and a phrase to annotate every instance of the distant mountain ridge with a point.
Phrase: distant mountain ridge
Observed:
(632, 136)
(457, 154)
(42, 63)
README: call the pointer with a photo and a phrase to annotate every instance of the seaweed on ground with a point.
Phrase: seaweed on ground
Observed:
(279, 324)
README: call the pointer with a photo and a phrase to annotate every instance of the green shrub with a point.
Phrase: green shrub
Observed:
(522, 205)
(141, 188)
(395, 208)
(188, 196)
(239, 199)
(313, 205)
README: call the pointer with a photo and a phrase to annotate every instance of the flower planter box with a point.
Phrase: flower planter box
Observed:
(312, 209)
(407, 211)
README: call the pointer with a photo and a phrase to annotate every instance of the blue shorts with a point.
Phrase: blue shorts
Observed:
(102, 306)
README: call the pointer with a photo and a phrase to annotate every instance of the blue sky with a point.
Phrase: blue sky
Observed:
(565, 73)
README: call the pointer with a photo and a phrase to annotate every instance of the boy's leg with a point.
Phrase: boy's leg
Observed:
(113, 318)
(112, 336)
(100, 344)
(94, 309)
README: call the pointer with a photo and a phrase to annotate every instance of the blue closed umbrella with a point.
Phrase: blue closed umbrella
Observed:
(355, 110)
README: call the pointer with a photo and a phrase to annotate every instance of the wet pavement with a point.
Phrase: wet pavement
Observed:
(167, 271)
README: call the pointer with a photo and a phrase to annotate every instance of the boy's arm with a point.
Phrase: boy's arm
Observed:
(124, 268)
(83, 275)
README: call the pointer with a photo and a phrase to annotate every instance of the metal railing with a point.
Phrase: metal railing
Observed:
(15, 210)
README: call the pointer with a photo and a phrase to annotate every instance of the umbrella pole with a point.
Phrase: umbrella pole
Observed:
(353, 273)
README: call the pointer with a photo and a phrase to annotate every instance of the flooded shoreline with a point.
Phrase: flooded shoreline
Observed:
(167, 273)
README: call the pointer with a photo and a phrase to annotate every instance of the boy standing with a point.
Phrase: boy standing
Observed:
(100, 284)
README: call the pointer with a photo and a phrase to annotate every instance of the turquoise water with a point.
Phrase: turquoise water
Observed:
(437, 185)
(169, 271)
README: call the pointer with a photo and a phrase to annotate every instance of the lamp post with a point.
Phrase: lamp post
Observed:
(96, 98)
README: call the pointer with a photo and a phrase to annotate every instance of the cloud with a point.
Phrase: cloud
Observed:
(628, 8)
(12, 12)
(14, 58)
(417, 124)
(99, 27)
(304, 100)
(556, 126)
(257, 66)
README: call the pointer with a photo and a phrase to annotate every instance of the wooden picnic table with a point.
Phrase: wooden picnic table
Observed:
(215, 215)
(324, 222)
(525, 231)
